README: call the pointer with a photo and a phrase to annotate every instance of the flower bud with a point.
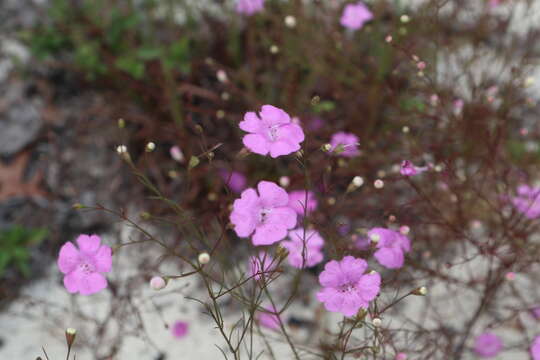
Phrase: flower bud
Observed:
(204, 258)
(158, 283)
(70, 336)
(377, 322)
(421, 291)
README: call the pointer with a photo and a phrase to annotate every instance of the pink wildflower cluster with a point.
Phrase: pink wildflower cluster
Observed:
(83, 268)
(355, 16)
(527, 201)
(346, 286)
(391, 245)
(271, 132)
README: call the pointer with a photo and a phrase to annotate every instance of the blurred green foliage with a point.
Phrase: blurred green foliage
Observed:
(103, 37)
(15, 243)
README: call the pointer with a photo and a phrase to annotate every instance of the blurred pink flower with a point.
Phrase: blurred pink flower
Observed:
(408, 169)
(269, 318)
(266, 214)
(536, 312)
(83, 267)
(177, 154)
(355, 15)
(391, 247)
(302, 253)
(487, 345)
(401, 356)
(261, 266)
(234, 180)
(271, 132)
(297, 201)
(346, 288)
(528, 201)
(362, 243)
(535, 348)
(344, 144)
(180, 329)
(494, 3)
(249, 7)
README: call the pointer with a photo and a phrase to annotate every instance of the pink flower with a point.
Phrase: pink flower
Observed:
(408, 169)
(269, 318)
(346, 288)
(391, 247)
(249, 7)
(487, 345)
(234, 180)
(271, 132)
(362, 243)
(345, 144)
(180, 329)
(261, 266)
(528, 201)
(267, 215)
(297, 201)
(355, 15)
(83, 267)
(494, 3)
(535, 348)
(302, 253)
(177, 154)
(401, 356)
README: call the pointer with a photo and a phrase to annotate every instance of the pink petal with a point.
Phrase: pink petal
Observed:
(352, 303)
(251, 123)
(268, 234)
(391, 258)
(71, 282)
(256, 143)
(103, 259)
(92, 283)
(244, 212)
(282, 215)
(272, 195)
(279, 148)
(272, 115)
(369, 286)
(353, 268)
(68, 259)
(332, 276)
(88, 244)
(292, 132)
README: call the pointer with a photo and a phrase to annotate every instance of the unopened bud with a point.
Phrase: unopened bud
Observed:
(78, 206)
(193, 162)
(157, 283)
(150, 147)
(377, 322)
(121, 123)
(70, 336)
(421, 291)
(204, 258)
(326, 147)
(284, 181)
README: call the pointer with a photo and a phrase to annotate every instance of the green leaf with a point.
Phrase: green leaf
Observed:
(131, 65)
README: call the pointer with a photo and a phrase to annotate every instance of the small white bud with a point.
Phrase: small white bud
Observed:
(404, 229)
(150, 147)
(204, 258)
(405, 18)
(377, 322)
(121, 149)
(274, 49)
(177, 154)
(379, 184)
(358, 181)
(405, 129)
(284, 181)
(375, 238)
(290, 21)
(222, 76)
(157, 283)
(327, 147)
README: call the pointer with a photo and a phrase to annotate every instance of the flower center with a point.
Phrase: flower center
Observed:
(87, 268)
(273, 132)
(263, 214)
(347, 288)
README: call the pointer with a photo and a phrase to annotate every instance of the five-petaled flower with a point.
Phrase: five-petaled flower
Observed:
(249, 7)
(266, 215)
(83, 268)
(305, 248)
(272, 132)
(391, 247)
(344, 144)
(355, 15)
(346, 287)
(487, 345)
